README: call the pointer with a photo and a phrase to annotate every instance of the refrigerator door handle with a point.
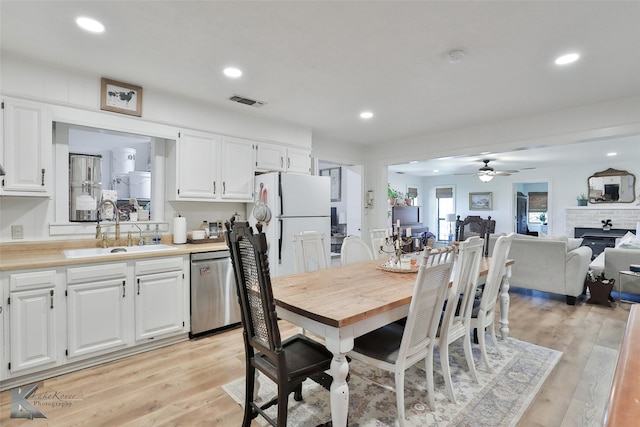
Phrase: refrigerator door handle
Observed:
(280, 242)
(280, 195)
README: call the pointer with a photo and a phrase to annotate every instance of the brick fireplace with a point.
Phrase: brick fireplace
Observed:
(589, 217)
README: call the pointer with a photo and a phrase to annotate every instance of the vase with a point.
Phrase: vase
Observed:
(582, 202)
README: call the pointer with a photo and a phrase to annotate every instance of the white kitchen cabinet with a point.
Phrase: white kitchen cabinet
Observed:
(98, 312)
(237, 162)
(26, 148)
(34, 310)
(273, 157)
(298, 160)
(207, 167)
(159, 298)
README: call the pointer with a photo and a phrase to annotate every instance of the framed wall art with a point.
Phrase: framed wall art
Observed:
(121, 97)
(480, 201)
(336, 182)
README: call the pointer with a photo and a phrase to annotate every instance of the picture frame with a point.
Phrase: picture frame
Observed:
(120, 97)
(336, 182)
(482, 201)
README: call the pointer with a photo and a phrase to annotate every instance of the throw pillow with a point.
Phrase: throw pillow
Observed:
(573, 243)
(627, 238)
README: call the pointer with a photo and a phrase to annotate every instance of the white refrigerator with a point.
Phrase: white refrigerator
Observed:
(297, 203)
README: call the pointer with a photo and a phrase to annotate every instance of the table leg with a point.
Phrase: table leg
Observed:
(339, 390)
(504, 304)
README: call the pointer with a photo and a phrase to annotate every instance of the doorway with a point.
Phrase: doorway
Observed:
(531, 207)
(348, 206)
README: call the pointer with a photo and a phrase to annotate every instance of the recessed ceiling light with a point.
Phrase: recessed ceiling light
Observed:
(412, 162)
(612, 154)
(567, 59)
(89, 24)
(436, 171)
(232, 72)
(366, 115)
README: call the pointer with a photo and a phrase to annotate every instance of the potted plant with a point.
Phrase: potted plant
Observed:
(392, 194)
(543, 218)
(582, 200)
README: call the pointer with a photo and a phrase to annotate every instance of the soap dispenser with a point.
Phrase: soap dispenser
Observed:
(157, 237)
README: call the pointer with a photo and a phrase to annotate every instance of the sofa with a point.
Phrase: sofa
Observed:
(556, 265)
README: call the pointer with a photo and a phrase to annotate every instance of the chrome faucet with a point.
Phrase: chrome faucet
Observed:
(116, 214)
(141, 240)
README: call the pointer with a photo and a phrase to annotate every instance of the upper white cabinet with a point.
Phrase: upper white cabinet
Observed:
(26, 148)
(273, 157)
(237, 168)
(207, 167)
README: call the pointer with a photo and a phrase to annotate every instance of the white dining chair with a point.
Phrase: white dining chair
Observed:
(397, 347)
(456, 320)
(353, 250)
(378, 236)
(484, 311)
(309, 251)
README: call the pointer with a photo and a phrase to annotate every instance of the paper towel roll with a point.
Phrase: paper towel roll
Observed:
(179, 230)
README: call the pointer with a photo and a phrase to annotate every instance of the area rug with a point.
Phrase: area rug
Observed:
(499, 399)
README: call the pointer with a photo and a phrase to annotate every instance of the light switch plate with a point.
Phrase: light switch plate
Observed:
(17, 232)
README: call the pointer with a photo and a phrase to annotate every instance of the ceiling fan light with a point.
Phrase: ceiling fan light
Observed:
(485, 177)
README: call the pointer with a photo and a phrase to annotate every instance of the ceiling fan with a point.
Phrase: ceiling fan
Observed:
(486, 172)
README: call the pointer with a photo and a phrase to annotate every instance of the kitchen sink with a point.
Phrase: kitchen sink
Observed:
(117, 250)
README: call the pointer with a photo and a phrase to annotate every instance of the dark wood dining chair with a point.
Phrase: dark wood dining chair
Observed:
(287, 362)
(474, 225)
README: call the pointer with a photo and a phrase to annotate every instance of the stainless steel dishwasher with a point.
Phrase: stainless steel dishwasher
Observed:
(214, 301)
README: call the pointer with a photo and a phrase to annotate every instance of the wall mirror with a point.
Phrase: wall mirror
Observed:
(612, 186)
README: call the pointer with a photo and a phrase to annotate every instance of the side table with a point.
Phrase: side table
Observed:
(627, 274)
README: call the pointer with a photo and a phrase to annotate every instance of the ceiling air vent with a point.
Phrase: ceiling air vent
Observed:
(247, 101)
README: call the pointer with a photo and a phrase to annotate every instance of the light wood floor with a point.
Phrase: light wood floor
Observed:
(181, 385)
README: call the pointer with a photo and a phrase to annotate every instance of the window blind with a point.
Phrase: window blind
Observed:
(444, 193)
(538, 201)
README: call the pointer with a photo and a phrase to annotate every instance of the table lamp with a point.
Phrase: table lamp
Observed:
(451, 218)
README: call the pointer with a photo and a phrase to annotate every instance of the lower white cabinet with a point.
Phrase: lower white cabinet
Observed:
(159, 301)
(52, 318)
(97, 318)
(159, 297)
(34, 311)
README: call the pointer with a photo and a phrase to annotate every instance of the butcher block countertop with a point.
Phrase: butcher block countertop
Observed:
(29, 255)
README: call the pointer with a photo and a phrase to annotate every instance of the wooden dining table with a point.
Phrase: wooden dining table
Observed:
(342, 303)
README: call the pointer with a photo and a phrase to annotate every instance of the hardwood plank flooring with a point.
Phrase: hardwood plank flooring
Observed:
(181, 385)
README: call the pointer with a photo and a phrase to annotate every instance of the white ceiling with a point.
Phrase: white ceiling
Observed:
(320, 63)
